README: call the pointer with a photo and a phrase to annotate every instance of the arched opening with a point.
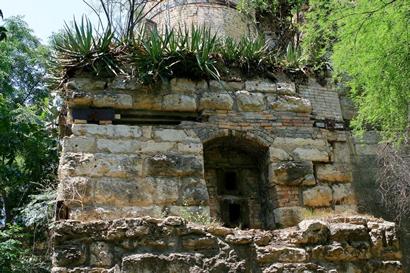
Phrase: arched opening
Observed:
(236, 171)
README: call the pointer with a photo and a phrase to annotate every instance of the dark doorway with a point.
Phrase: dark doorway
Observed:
(236, 175)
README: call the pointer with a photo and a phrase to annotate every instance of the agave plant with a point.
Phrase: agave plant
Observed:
(181, 53)
(79, 48)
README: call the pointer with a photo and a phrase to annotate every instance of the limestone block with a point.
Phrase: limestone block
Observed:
(122, 193)
(343, 194)
(123, 131)
(239, 238)
(341, 153)
(291, 173)
(338, 173)
(70, 255)
(318, 196)
(216, 101)
(276, 154)
(181, 85)
(100, 255)
(291, 104)
(312, 232)
(337, 252)
(147, 102)
(262, 238)
(164, 191)
(115, 100)
(190, 148)
(105, 213)
(260, 86)
(86, 84)
(309, 180)
(157, 147)
(226, 85)
(75, 190)
(219, 230)
(195, 243)
(292, 143)
(250, 102)
(297, 268)
(177, 135)
(107, 131)
(97, 165)
(269, 254)
(286, 88)
(79, 98)
(288, 216)
(384, 240)
(348, 232)
(179, 103)
(89, 130)
(193, 191)
(157, 263)
(78, 144)
(173, 165)
(311, 154)
(116, 146)
(122, 83)
(384, 266)
(119, 131)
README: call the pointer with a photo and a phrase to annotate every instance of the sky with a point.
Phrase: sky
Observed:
(45, 16)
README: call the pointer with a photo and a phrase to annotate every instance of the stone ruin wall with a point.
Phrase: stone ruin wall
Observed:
(285, 144)
(340, 244)
(252, 155)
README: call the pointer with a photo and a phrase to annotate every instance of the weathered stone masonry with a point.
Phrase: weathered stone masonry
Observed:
(342, 244)
(262, 134)
(259, 155)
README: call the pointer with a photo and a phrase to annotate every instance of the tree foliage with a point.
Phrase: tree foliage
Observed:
(28, 152)
(3, 30)
(367, 42)
(28, 148)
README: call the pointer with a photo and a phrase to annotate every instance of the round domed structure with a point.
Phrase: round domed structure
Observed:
(221, 16)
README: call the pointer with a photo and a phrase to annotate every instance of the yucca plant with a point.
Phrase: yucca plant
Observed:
(253, 54)
(230, 52)
(293, 57)
(79, 48)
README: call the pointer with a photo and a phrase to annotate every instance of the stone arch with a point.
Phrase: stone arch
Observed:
(236, 172)
(257, 137)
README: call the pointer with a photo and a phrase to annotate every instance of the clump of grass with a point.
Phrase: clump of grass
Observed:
(197, 216)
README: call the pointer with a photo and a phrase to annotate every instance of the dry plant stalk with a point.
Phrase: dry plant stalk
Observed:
(393, 178)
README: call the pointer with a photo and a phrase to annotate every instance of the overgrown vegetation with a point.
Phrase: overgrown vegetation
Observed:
(367, 43)
(393, 178)
(190, 52)
(28, 151)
